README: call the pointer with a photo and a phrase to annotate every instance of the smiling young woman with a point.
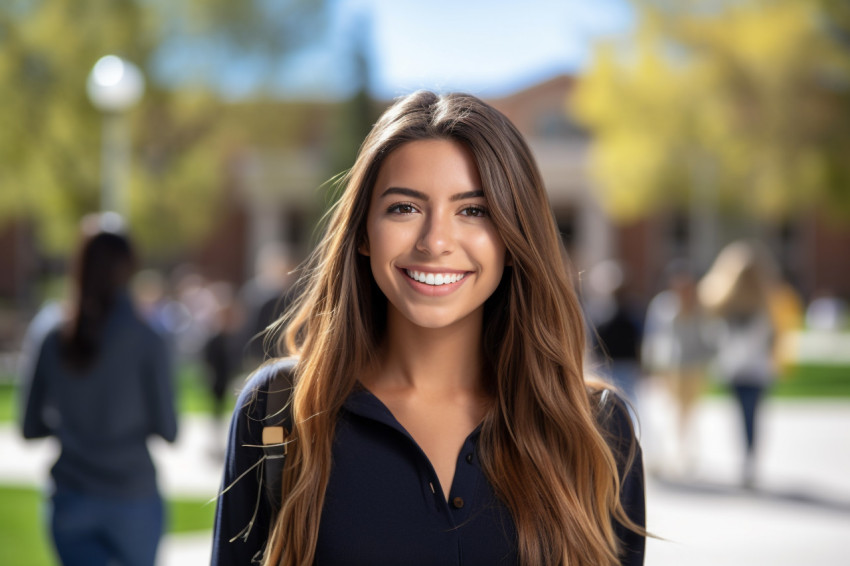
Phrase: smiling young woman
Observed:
(434, 251)
(440, 409)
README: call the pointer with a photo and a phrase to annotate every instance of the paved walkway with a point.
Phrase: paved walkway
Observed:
(799, 513)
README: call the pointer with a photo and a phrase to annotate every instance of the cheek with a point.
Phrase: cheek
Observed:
(492, 248)
(384, 247)
(388, 240)
(376, 243)
(373, 237)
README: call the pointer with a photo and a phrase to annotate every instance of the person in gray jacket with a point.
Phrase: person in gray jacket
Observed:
(102, 384)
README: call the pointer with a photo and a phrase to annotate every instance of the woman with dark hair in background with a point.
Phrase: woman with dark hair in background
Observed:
(440, 410)
(102, 384)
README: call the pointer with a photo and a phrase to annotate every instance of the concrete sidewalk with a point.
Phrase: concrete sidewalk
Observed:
(798, 514)
(799, 511)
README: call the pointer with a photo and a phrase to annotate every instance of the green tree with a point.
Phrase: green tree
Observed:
(748, 100)
(50, 141)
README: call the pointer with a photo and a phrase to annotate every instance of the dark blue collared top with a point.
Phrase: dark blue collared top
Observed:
(103, 416)
(384, 504)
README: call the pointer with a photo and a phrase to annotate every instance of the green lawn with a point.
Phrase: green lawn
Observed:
(23, 536)
(814, 381)
(805, 382)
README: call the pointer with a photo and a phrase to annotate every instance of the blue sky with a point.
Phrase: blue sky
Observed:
(487, 47)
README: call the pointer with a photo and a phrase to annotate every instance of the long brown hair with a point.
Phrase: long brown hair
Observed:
(541, 447)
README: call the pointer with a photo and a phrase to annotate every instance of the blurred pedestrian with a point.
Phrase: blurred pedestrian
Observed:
(827, 312)
(153, 303)
(617, 329)
(221, 355)
(195, 312)
(738, 289)
(264, 298)
(677, 348)
(102, 384)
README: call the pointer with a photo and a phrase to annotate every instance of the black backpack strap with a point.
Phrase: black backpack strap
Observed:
(277, 425)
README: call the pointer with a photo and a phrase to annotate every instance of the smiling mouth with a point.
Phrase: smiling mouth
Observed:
(434, 279)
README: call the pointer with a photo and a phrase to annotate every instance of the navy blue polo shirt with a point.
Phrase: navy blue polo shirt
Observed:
(384, 504)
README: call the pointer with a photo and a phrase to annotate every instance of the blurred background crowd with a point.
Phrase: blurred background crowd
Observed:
(697, 157)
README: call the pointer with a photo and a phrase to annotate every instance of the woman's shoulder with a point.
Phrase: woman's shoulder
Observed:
(605, 401)
(271, 382)
(52, 337)
(129, 322)
(612, 414)
(615, 423)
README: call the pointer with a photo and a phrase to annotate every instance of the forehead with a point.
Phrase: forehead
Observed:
(429, 165)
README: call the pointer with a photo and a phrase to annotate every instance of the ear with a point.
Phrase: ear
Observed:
(509, 259)
(363, 248)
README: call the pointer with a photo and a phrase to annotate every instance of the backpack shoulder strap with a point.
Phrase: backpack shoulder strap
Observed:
(277, 424)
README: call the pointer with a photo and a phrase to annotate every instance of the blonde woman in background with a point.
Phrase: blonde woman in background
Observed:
(737, 289)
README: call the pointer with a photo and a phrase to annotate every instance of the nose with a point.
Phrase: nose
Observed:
(437, 236)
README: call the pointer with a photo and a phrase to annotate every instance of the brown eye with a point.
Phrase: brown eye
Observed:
(402, 208)
(474, 211)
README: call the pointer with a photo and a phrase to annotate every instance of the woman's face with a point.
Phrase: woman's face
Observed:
(432, 245)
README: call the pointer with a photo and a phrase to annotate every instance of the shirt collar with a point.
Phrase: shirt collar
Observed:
(364, 403)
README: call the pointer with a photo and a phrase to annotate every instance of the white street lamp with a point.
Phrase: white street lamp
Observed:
(114, 86)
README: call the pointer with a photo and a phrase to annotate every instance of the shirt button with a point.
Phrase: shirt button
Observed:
(469, 457)
(457, 502)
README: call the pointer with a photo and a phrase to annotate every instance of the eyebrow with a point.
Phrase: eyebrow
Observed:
(422, 196)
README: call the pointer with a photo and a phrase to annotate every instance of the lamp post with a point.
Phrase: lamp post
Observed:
(114, 86)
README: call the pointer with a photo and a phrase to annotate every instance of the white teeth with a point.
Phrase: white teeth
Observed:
(435, 278)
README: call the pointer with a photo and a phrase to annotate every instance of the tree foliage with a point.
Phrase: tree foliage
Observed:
(749, 99)
(50, 142)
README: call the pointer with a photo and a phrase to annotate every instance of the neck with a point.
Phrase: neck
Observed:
(442, 360)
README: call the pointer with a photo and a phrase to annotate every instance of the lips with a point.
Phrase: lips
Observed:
(433, 283)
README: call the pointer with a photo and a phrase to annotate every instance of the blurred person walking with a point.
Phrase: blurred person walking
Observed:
(677, 348)
(102, 384)
(265, 298)
(738, 290)
(617, 330)
(221, 355)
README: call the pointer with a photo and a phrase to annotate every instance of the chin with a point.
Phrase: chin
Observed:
(434, 320)
(429, 322)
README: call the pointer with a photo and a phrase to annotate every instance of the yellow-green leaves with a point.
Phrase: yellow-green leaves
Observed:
(748, 98)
